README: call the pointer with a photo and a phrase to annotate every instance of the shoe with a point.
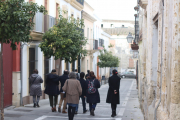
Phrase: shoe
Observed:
(113, 114)
(64, 112)
(76, 112)
(38, 105)
(85, 111)
(55, 109)
(92, 112)
(52, 109)
(34, 105)
(59, 109)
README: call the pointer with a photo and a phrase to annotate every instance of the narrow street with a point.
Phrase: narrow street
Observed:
(127, 110)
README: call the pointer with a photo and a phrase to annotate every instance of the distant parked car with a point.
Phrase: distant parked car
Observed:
(128, 75)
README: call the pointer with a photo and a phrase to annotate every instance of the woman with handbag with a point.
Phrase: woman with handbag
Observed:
(52, 89)
(35, 87)
(92, 95)
(73, 90)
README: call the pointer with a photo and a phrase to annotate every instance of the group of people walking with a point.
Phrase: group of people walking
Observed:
(73, 88)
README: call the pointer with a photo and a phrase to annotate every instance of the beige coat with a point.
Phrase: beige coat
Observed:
(73, 90)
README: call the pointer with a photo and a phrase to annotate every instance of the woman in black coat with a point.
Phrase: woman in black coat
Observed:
(113, 92)
(52, 89)
(92, 94)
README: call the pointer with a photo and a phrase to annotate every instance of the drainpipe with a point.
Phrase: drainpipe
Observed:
(155, 111)
(21, 97)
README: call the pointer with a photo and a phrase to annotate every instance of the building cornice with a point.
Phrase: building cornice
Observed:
(119, 21)
(118, 31)
(85, 15)
(76, 4)
(89, 6)
(143, 3)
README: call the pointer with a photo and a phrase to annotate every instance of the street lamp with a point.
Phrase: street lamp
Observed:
(129, 38)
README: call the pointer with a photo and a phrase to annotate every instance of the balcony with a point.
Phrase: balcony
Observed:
(143, 3)
(43, 22)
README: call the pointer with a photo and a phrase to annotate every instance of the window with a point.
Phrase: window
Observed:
(101, 25)
(91, 37)
(87, 33)
(99, 42)
(32, 60)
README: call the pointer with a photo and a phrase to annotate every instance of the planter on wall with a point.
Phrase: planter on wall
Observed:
(134, 46)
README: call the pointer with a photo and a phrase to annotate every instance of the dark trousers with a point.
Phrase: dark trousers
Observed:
(113, 107)
(83, 104)
(92, 106)
(53, 100)
(36, 100)
(71, 112)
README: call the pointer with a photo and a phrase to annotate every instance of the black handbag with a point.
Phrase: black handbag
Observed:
(64, 96)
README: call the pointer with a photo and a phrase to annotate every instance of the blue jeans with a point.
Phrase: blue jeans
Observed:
(83, 104)
(92, 106)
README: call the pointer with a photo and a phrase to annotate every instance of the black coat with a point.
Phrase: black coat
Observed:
(62, 79)
(84, 87)
(52, 82)
(95, 97)
(114, 84)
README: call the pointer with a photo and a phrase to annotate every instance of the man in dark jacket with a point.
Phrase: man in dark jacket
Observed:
(52, 89)
(87, 75)
(84, 88)
(113, 92)
(62, 79)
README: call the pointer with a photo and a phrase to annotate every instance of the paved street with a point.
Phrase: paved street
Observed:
(127, 110)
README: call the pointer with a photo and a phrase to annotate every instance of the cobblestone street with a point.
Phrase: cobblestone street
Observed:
(127, 110)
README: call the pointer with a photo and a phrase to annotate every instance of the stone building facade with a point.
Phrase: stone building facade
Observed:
(159, 61)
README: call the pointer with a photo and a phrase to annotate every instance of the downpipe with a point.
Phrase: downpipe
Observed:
(155, 111)
(21, 96)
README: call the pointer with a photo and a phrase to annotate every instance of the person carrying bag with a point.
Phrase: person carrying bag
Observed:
(35, 87)
(93, 96)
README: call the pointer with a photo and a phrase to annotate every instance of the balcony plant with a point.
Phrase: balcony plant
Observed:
(16, 23)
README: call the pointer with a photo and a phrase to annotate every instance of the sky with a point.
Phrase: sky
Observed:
(114, 9)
